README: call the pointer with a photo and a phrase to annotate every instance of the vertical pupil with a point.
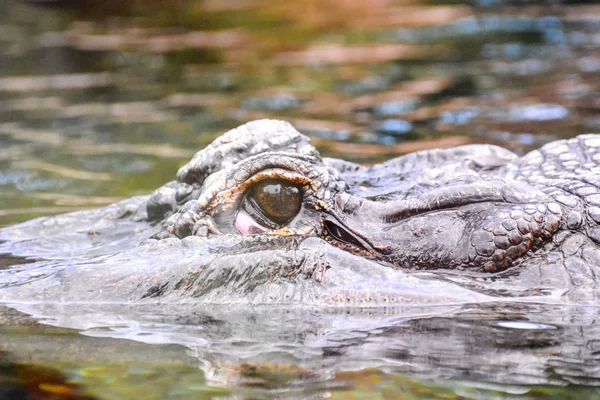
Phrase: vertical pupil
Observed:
(278, 200)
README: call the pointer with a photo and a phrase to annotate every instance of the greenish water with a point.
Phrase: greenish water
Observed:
(100, 102)
(525, 352)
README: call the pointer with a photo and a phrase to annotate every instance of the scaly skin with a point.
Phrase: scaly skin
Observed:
(479, 216)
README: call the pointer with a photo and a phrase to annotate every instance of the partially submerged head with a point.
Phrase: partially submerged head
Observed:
(441, 209)
(259, 216)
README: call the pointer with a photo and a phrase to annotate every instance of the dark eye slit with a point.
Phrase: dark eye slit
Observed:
(342, 234)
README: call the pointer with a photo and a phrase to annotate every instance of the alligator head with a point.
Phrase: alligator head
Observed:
(440, 209)
(260, 206)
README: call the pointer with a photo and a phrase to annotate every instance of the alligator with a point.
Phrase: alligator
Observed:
(259, 216)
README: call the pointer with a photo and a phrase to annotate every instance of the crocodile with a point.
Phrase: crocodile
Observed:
(259, 216)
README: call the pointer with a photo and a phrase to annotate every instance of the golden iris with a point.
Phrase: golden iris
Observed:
(278, 200)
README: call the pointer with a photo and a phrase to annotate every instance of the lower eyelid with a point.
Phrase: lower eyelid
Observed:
(246, 225)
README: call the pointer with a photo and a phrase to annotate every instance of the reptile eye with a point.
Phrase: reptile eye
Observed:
(278, 200)
(272, 203)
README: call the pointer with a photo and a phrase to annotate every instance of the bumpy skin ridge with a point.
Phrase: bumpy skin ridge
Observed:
(245, 141)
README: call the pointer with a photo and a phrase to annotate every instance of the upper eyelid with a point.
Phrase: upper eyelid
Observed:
(216, 196)
(224, 186)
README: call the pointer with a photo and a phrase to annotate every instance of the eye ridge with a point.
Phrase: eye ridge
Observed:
(273, 202)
